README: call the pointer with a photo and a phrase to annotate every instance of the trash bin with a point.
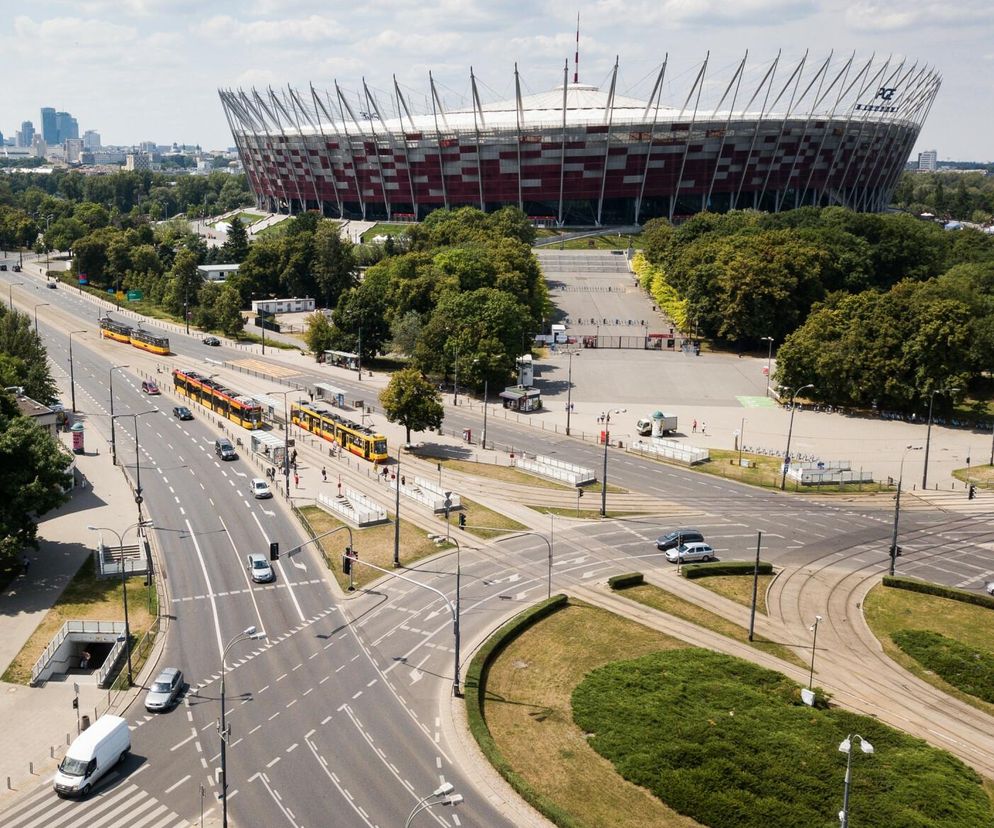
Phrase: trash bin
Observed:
(84, 722)
(603, 437)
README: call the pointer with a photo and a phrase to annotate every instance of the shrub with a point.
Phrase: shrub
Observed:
(965, 668)
(629, 579)
(703, 570)
(928, 588)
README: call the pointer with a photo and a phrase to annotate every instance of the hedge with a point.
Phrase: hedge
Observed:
(629, 579)
(704, 570)
(475, 692)
(929, 588)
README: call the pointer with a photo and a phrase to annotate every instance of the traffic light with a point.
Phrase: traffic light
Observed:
(347, 561)
(274, 551)
(971, 492)
(462, 520)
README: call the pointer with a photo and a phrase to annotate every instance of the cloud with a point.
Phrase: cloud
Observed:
(894, 15)
(675, 13)
(310, 29)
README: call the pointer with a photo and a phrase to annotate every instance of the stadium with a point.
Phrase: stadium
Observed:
(771, 137)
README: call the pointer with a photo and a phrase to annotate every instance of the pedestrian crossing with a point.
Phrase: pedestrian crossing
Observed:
(112, 805)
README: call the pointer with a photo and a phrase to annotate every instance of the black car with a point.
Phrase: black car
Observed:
(17, 268)
(211, 340)
(678, 537)
(3, 267)
(182, 412)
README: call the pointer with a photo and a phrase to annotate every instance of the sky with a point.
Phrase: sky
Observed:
(149, 70)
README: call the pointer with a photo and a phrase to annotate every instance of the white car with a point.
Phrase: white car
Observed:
(260, 488)
(259, 569)
(689, 552)
(990, 588)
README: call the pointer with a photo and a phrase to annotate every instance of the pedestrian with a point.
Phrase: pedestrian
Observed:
(296, 480)
(293, 456)
(84, 662)
(403, 480)
(704, 428)
(695, 427)
(26, 564)
(324, 474)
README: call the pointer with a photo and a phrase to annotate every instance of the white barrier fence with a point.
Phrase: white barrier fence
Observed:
(670, 450)
(823, 474)
(554, 469)
(427, 493)
(354, 507)
(58, 654)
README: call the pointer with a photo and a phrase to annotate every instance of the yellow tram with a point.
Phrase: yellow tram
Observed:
(358, 439)
(239, 409)
(136, 336)
(112, 329)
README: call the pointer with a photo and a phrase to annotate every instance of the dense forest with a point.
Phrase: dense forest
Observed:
(964, 196)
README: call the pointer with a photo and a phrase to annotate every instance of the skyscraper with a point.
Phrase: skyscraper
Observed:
(66, 126)
(91, 139)
(27, 134)
(49, 129)
(928, 160)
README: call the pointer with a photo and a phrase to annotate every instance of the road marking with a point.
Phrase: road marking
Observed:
(210, 589)
(187, 739)
(279, 563)
(175, 785)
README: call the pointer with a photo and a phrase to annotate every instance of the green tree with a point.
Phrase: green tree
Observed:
(361, 317)
(404, 333)
(228, 310)
(333, 265)
(32, 476)
(319, 335)
(411, 400)
(236, 246)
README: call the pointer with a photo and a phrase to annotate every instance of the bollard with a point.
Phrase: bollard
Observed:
(31, 767)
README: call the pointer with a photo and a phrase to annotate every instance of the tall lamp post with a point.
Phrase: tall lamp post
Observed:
(286, 439)
(138, 465)
(10, 293)
(897, 509)
(607, 440)
(48, 220)
(846, 747)
(124, 587)
(39, 305)
(769, 360)
(113, 440)
(249, 633)
(928, 433)
(569, 388)
(790, 429)
(814, 644)
(442, 795)
(72, 375)
(396, 515)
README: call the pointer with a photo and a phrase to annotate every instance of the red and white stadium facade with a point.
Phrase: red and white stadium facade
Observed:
(837, 131)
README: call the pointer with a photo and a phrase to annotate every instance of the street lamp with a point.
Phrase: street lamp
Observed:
(455, 377)
(897, 509)
(790, 429)
(10, 293)
(286, 439)
(769, 360)
(72, 375)
(928, 434)
(569, 388)
(138, 465)
(39, 305)
(814, 644)
(113, 440)
(396, 515)
(607, 439)
(442, 795)
(124, 586)
(249, 633)
(48, 219)
(846, 747)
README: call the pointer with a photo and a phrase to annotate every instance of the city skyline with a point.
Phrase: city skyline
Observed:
(167, 62)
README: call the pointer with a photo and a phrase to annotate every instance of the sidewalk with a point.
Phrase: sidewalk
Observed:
(39, 720)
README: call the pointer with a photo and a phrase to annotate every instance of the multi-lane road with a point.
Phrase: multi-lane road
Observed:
(340, 714)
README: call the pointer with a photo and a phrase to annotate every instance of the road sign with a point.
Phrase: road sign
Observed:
(135, 294)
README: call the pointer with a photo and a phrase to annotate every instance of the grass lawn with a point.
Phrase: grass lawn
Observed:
(384, 229)
(739, 588)
(741, 751)
(479, 515)
(608, 241)
(375, 544)
(529, 713)
(981, 476)
(660, 599)
(247, 218)
(86, 598)
(889, 611)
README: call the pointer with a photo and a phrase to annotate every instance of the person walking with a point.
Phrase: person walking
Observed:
(704, 428)
(296, 480)
(695, 427)
(324, 474)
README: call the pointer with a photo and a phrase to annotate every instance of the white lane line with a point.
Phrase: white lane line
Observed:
(337, 784)
(175, 785)
(187, 739)
(244, 572)
(210, 589)
(279, 563)
(276, 799)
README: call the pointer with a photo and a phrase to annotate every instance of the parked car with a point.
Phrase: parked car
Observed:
(224, 449)
(260, 488)
(150, 387)
(259, 569)
(51, 284)
(182, 412)
(211, 340)
(164, 691)
(95, 751)
(689, 552)
(16, 268)
(990, 588)
(3, 267)
(673, 539)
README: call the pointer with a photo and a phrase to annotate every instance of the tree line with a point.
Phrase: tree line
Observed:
(966, 196)
(873, 309)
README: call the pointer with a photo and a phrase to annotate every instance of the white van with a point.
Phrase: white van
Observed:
(94, 752)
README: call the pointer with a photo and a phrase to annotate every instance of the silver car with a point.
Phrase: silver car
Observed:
(259, 569)
(688, 552)
(165, 689)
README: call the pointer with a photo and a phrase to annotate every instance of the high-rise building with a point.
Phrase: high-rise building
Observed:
(27, 134)
(91, 139)
(928, 161)
(74, 149)
(137, 161)
(66, 126)
(49, 129)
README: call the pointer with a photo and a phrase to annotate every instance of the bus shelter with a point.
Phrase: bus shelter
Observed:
(334, 395)
(342, 359)
(271, 447)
